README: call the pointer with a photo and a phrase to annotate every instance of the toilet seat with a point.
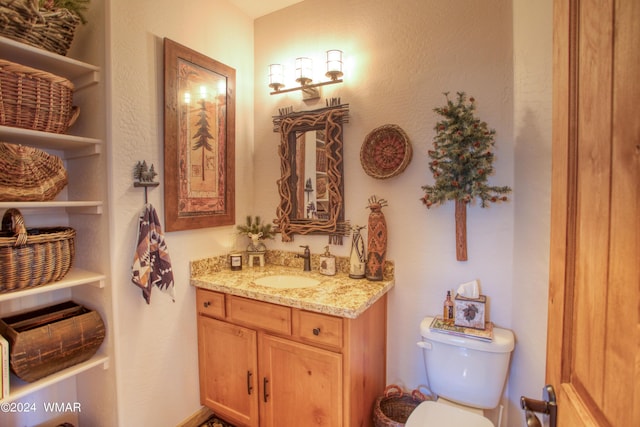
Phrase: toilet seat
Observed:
(435, 414)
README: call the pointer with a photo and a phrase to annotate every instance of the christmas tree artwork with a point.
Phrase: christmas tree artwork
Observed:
(203, 135)
(461, 162)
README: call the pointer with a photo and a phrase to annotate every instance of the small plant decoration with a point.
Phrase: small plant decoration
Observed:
(77, 7)
(255, 226)
(461, 162)
(256, 231)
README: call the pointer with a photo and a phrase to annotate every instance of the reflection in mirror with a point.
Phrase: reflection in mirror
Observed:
(311, 176)
(311, 184)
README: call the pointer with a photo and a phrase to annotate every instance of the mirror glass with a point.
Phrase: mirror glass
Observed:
(311, 185)
(311, 200)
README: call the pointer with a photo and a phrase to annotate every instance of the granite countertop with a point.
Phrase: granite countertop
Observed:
(337, 295)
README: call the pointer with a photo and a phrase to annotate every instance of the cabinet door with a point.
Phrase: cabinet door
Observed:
(228, 370)
(300, 385)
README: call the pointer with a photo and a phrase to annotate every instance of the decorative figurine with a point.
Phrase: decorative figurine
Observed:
(256, 231)
(377, 240)
(357, 259)
(143, 173)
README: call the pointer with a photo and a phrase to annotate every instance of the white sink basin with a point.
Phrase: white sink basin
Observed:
(287, 281)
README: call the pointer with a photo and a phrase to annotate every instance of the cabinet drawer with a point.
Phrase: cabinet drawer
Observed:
(317, 328)
(261, 315)
(210, 303)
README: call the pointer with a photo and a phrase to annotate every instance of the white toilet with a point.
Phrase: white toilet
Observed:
(467, 375)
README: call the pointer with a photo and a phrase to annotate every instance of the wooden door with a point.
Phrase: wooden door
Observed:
(593, 354)
(301, 385)
(228, 370)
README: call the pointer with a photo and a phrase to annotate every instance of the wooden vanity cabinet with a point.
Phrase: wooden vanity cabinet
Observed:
(268, 365)
(299, 382)
(228, 359)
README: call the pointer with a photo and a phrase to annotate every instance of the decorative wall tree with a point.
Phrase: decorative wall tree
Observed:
(461, 162)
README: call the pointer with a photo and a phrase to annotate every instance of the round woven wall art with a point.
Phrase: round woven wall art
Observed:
(385, 152)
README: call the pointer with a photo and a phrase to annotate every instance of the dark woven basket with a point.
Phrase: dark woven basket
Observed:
(33, 257)
(26, 22)
(35, 99)
(394, 407)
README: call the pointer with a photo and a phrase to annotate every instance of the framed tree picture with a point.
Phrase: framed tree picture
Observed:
(199, 140)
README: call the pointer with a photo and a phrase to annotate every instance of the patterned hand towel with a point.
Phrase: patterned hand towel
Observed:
(151, 261)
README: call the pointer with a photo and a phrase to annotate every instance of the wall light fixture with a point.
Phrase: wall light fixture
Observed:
(304, 73)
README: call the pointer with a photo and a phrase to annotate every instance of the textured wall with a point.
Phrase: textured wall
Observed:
(156, 344)
(532, 137)
(399, 58)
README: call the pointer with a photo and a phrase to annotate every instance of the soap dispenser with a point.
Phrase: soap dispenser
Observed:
(327, 263)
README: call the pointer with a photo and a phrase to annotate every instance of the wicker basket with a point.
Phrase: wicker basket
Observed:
(393, 409)
(49, 339)
(35, 99)
(29, 174)
(34, 257)
(24, 21)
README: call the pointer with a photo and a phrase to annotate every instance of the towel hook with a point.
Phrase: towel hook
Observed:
(143, 176)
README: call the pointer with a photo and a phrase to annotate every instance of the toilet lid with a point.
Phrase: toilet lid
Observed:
(431, 413)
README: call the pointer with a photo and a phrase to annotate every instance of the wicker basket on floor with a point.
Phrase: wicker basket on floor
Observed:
(26, 22)
(29, 175)
(393, 409)
(35, 99)
(33, 257)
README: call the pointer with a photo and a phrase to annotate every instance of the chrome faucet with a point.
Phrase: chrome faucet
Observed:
(306, 256)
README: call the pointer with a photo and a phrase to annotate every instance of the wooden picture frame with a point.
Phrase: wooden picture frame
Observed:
(199, 140)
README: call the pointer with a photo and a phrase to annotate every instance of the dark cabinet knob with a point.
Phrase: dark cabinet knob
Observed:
(207, 304)
(316, 331)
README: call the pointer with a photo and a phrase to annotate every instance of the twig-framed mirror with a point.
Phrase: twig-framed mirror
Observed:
(311, 184)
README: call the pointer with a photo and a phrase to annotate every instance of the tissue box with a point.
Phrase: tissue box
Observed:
(469, 312)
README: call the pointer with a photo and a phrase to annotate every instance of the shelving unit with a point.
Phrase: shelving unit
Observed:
(82, 206)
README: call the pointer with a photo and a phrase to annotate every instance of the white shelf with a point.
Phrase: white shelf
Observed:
(21, 388)
(81, 74)
(73, 146)
(75, 277)
(91, 207)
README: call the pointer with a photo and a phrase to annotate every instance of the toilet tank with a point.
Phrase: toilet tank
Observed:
(467, 371)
